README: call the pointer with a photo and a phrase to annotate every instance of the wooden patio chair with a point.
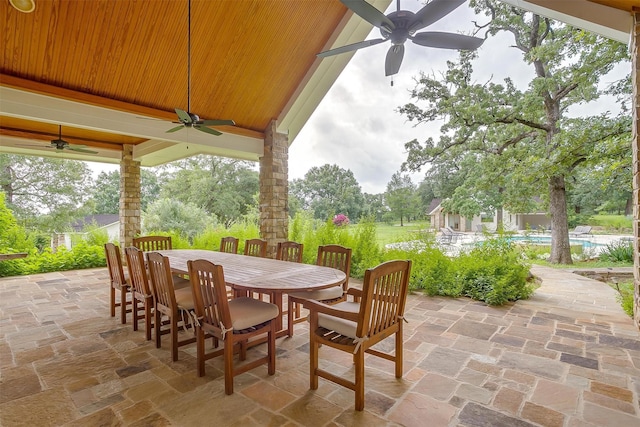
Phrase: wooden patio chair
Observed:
(289, 251)
(229, 244)
(140, 288)
(173, 303)
(118, 281)
(152, 243)
(231, 321)
(357, 327)
(334, 256)
(256, 247)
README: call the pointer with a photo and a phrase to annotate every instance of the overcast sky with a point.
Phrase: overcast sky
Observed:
(357, 126)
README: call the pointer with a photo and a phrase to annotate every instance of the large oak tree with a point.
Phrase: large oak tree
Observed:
(505, 144)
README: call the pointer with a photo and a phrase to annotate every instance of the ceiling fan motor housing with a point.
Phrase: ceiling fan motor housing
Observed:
(401, 19)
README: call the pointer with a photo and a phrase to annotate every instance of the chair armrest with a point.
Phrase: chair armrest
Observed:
(317, 307)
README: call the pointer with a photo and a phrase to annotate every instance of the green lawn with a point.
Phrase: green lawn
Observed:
(611, 223)
(387, 233)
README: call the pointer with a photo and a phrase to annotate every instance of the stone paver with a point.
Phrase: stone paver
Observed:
(567, 357)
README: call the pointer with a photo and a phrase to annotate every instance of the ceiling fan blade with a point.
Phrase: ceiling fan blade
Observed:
(350, 47)
(81, 150)
(175, 129)
(207, 130)
(369, 13)
(432, 12)
(394, 59)
(183, 115)
(216, 122)
(447, 40)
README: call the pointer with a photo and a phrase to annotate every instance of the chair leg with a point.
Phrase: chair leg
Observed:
(158, 326)
(147, 319)
(123, 305)
(112, 301)
(289, 317)
(359, 383)
(313, 353)
(228, 365)
(271, 339)
(174, 338)
(399, 350)
(200, 343)
(134, 311)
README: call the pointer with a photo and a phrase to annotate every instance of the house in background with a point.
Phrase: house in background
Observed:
(108, 222)
(511, 221)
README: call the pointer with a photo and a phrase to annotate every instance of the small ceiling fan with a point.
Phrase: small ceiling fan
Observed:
(60, 144)
(187, 118)
(401, 25)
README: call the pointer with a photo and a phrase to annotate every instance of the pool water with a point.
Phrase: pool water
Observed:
(546, 240)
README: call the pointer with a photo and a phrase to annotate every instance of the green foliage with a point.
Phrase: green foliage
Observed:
(242, 229)
(618, 251)
(402, 197)
(612, 223)
(173, 216)
(625, 296)
(81, 256)
(328, 190)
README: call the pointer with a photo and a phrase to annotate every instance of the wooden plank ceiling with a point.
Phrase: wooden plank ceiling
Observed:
(248, 57)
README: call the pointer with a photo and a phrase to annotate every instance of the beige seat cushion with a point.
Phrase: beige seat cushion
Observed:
(320, 294)
(341, 326)
(248, 312)
(184, 298)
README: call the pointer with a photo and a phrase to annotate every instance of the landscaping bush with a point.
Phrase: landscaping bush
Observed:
(625, 296)
(618, 251)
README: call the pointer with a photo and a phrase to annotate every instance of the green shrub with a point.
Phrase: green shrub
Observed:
(618, 251)
(625, 296)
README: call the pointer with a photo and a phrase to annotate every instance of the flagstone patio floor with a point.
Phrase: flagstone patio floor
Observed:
(568, 356)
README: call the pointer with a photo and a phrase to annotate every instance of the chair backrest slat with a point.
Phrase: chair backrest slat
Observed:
(161, 280)
(229, 244)
(289, 251)
(152, 243)
(384, 295)
(114, 264)
(256, 247)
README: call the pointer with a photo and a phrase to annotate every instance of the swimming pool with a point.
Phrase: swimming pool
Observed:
(546, 240)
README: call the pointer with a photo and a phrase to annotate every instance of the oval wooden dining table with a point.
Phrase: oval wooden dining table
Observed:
(265, 275)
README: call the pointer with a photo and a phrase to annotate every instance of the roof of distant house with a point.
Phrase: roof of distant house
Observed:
(433, 205)
(101, 220)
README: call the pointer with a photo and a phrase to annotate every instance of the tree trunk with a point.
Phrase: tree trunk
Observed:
(560, 247)
(628, 209)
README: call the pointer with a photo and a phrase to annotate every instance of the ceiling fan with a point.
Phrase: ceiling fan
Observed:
(187, 119)
(401, 25)
(60, 144)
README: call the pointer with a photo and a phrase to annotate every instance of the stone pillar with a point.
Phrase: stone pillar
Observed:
(129, 197)
(274, 189)
(635, 77)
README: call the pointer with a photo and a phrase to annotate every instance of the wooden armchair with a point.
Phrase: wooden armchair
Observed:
(152, 243)
(231, 321)
(140, 289)
(118, 281)
(173, 303)
(356, 327)
(229, 245)
(256, 247)
(334, 256)
(289, 251)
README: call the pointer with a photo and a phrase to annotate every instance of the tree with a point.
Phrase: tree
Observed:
(106, 191)
(44, 192)
(172, 215)
(520, 142)
(374, 206)
(221, 187)
(329, 190)
(401, 196)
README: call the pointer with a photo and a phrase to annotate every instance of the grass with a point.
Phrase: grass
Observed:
(392, 233)
(612, 223)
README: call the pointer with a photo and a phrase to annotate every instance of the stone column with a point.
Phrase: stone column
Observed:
(274, 189)
(129, 197)
(635, 77)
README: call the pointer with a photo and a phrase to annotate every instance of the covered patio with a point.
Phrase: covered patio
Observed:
(569, 356)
